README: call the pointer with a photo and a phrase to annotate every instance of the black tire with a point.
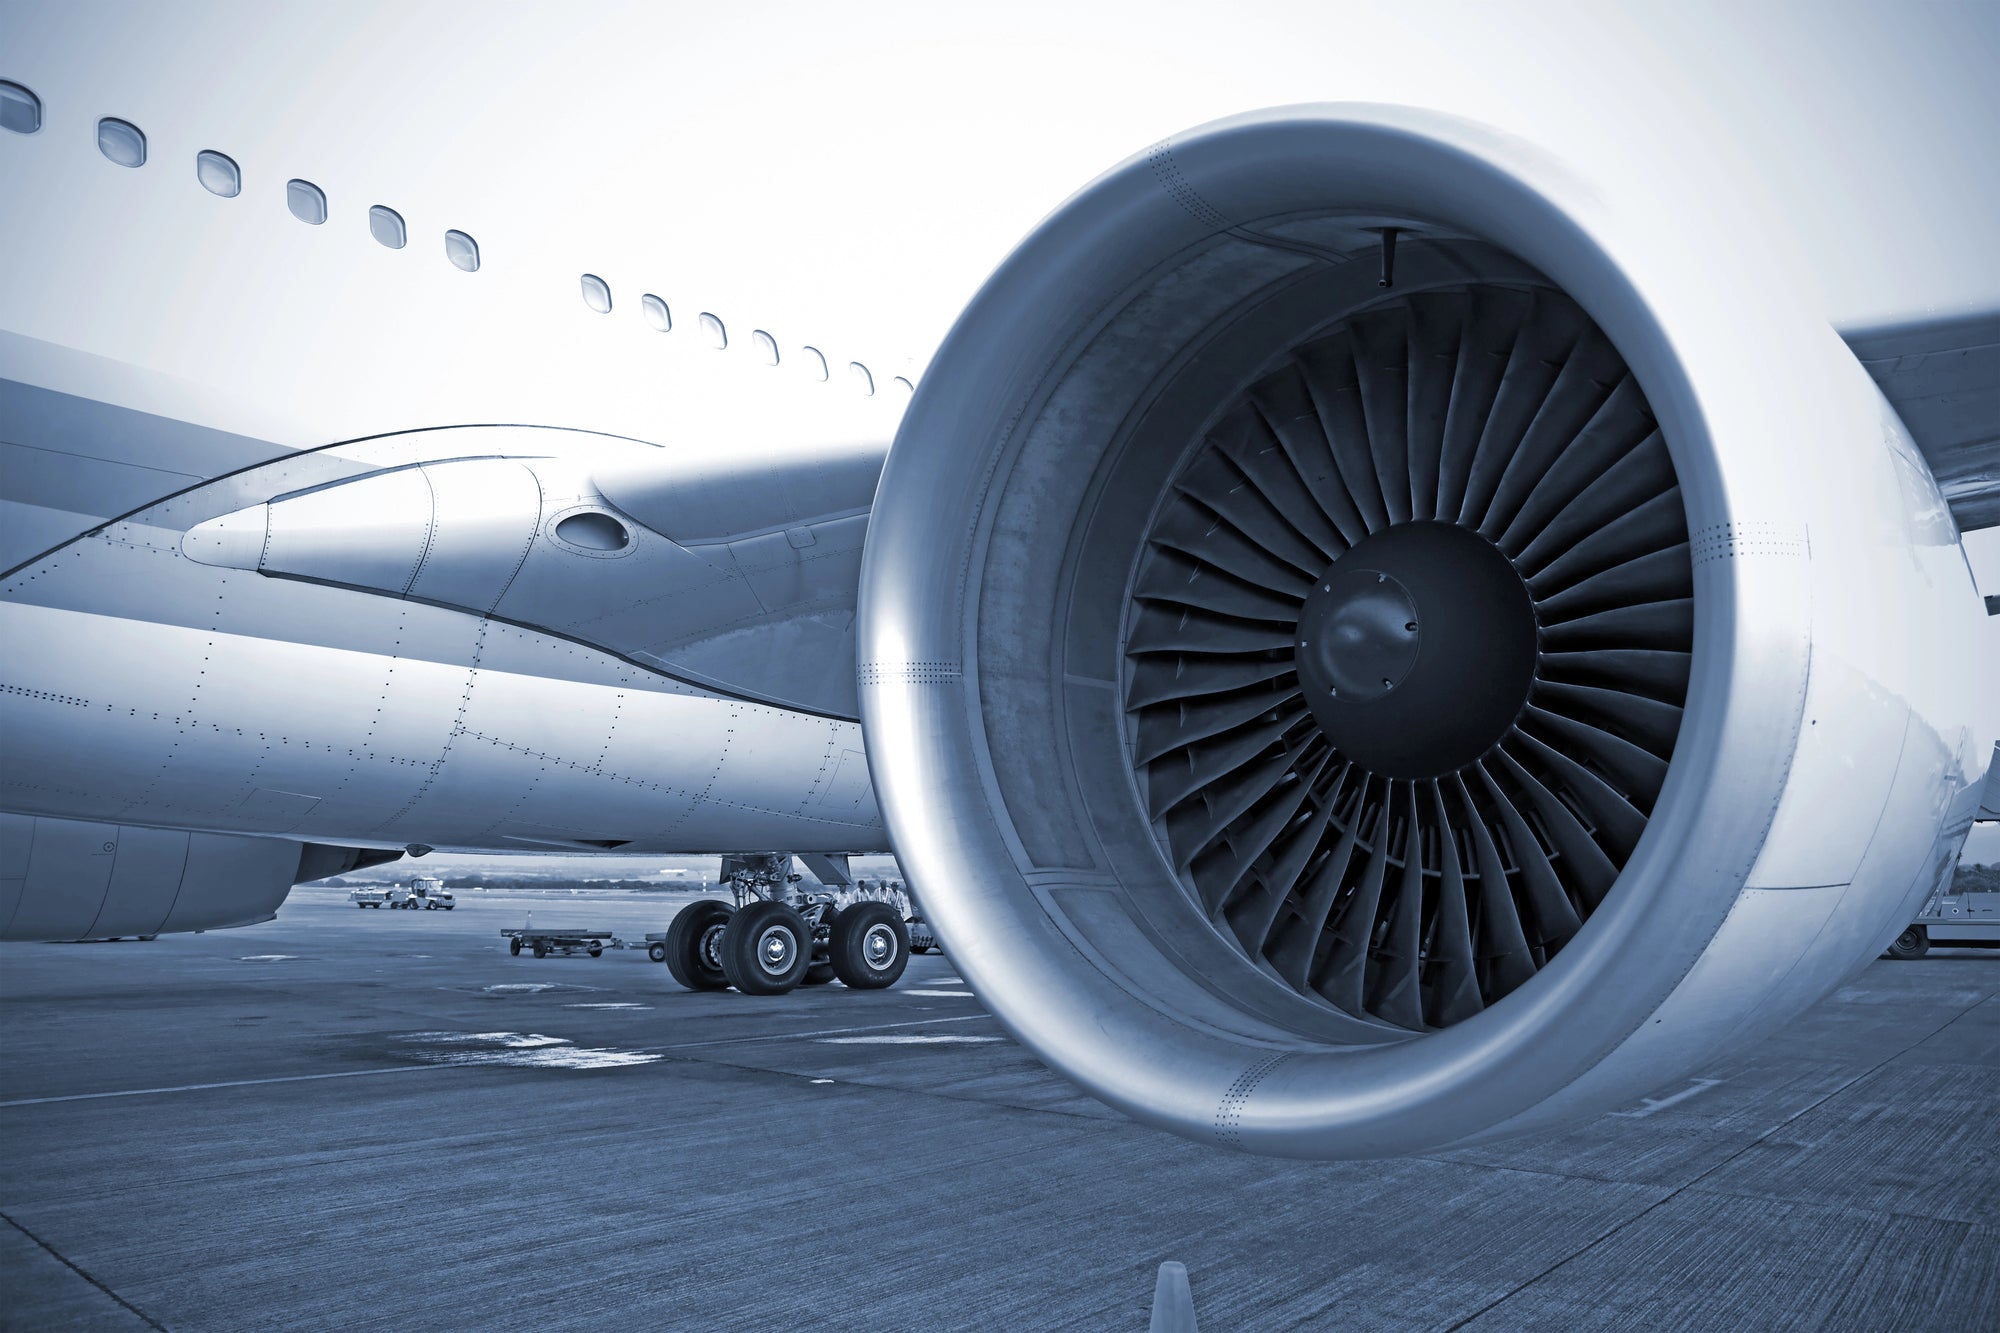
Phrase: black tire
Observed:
(597, 951)
(657, 951)
(692, 949)
(766, 949)
(1914, 942)
(541, 949)
(870, 946)
(514, 945)
(819, 974)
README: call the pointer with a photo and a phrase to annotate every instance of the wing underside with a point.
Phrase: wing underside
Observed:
(1943, 378)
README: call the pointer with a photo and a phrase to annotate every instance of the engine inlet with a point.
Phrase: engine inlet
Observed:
(1407, 650)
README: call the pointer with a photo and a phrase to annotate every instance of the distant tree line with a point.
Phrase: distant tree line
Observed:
(1976, 879)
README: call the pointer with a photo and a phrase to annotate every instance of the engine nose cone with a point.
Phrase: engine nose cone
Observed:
(1417, 649)
(1358, 633)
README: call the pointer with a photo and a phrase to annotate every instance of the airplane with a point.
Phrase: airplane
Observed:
(1368, 636)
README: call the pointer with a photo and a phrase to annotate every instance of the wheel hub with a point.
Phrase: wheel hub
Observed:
(775, 949)
(1416, 649)
(878, 946)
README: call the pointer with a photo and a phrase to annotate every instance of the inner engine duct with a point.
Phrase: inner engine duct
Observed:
(1334, 718)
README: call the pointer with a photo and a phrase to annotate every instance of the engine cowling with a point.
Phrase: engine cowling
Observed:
(1366, 647)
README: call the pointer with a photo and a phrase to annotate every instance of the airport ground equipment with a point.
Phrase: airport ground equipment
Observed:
(370, 898)
(541, 943)
(429, 893)
(1952, 920)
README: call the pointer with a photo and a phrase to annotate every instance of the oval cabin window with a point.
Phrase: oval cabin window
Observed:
(597, 293)
(656, 313)
(121, 142)
(386, 225)
(218, 173)
(20, 109)
(462, 251)
(306, 200)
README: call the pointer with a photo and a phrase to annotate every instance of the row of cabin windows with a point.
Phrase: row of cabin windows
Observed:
(124, 143)
(597, 295)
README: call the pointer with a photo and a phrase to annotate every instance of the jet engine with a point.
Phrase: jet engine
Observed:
(1366, 645)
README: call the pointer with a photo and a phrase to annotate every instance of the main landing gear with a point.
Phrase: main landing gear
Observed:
(778, 938)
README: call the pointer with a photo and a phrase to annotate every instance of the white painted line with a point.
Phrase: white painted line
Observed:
(269, 958)
(907, 1039)
(619, 1004)
(822, 1080)
(943, 994)
(949, 981)
(823, 1032)
(1651, 1104)
(205, 1087)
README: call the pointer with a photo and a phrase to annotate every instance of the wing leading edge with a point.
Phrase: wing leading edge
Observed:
(1943, 378)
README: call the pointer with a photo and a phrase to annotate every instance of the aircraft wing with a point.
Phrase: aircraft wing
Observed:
(1943, 378)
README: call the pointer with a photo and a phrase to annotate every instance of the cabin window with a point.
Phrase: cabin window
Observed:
(597, 293)
(20, 110)
(386, 225)
(122, 142)
(218, 173)
(767, 346)
(306, 200)
(462, 251)
(718, 337)
(656, 313)
(862, 379)
(815, 362)
(904, 385)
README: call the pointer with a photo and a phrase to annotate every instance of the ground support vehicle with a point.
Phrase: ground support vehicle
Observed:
(429, 894)
(368, 897)
(541, 943)
(1952, 920)
(776, 937)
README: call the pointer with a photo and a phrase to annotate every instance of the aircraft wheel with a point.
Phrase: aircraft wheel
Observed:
(1914, 942)
(766, 949)
(870, 946)
(693, 947)
(514, 945)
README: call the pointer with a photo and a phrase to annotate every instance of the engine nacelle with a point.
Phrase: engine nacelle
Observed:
(1364, 646)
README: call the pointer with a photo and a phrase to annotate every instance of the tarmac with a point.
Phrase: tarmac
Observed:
(370, 1118)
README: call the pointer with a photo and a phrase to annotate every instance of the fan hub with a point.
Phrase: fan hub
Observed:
(1417, 648)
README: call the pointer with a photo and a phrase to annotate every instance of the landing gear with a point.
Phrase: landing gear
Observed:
(692, 950)
(869, 946)
(1914, 942)
(766, 948)
(781, 935)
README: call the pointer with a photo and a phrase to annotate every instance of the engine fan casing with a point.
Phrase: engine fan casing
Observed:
(1826, 762)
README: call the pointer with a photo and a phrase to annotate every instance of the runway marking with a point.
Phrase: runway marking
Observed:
(205, 1087)
(521, 1050)
(269, 958)
(822, 1080)
(610, 1004)
(1651, 1104)
(430, 1068)
(907, 1039)
(943, 994)
(949, 981)
(808, 1036)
